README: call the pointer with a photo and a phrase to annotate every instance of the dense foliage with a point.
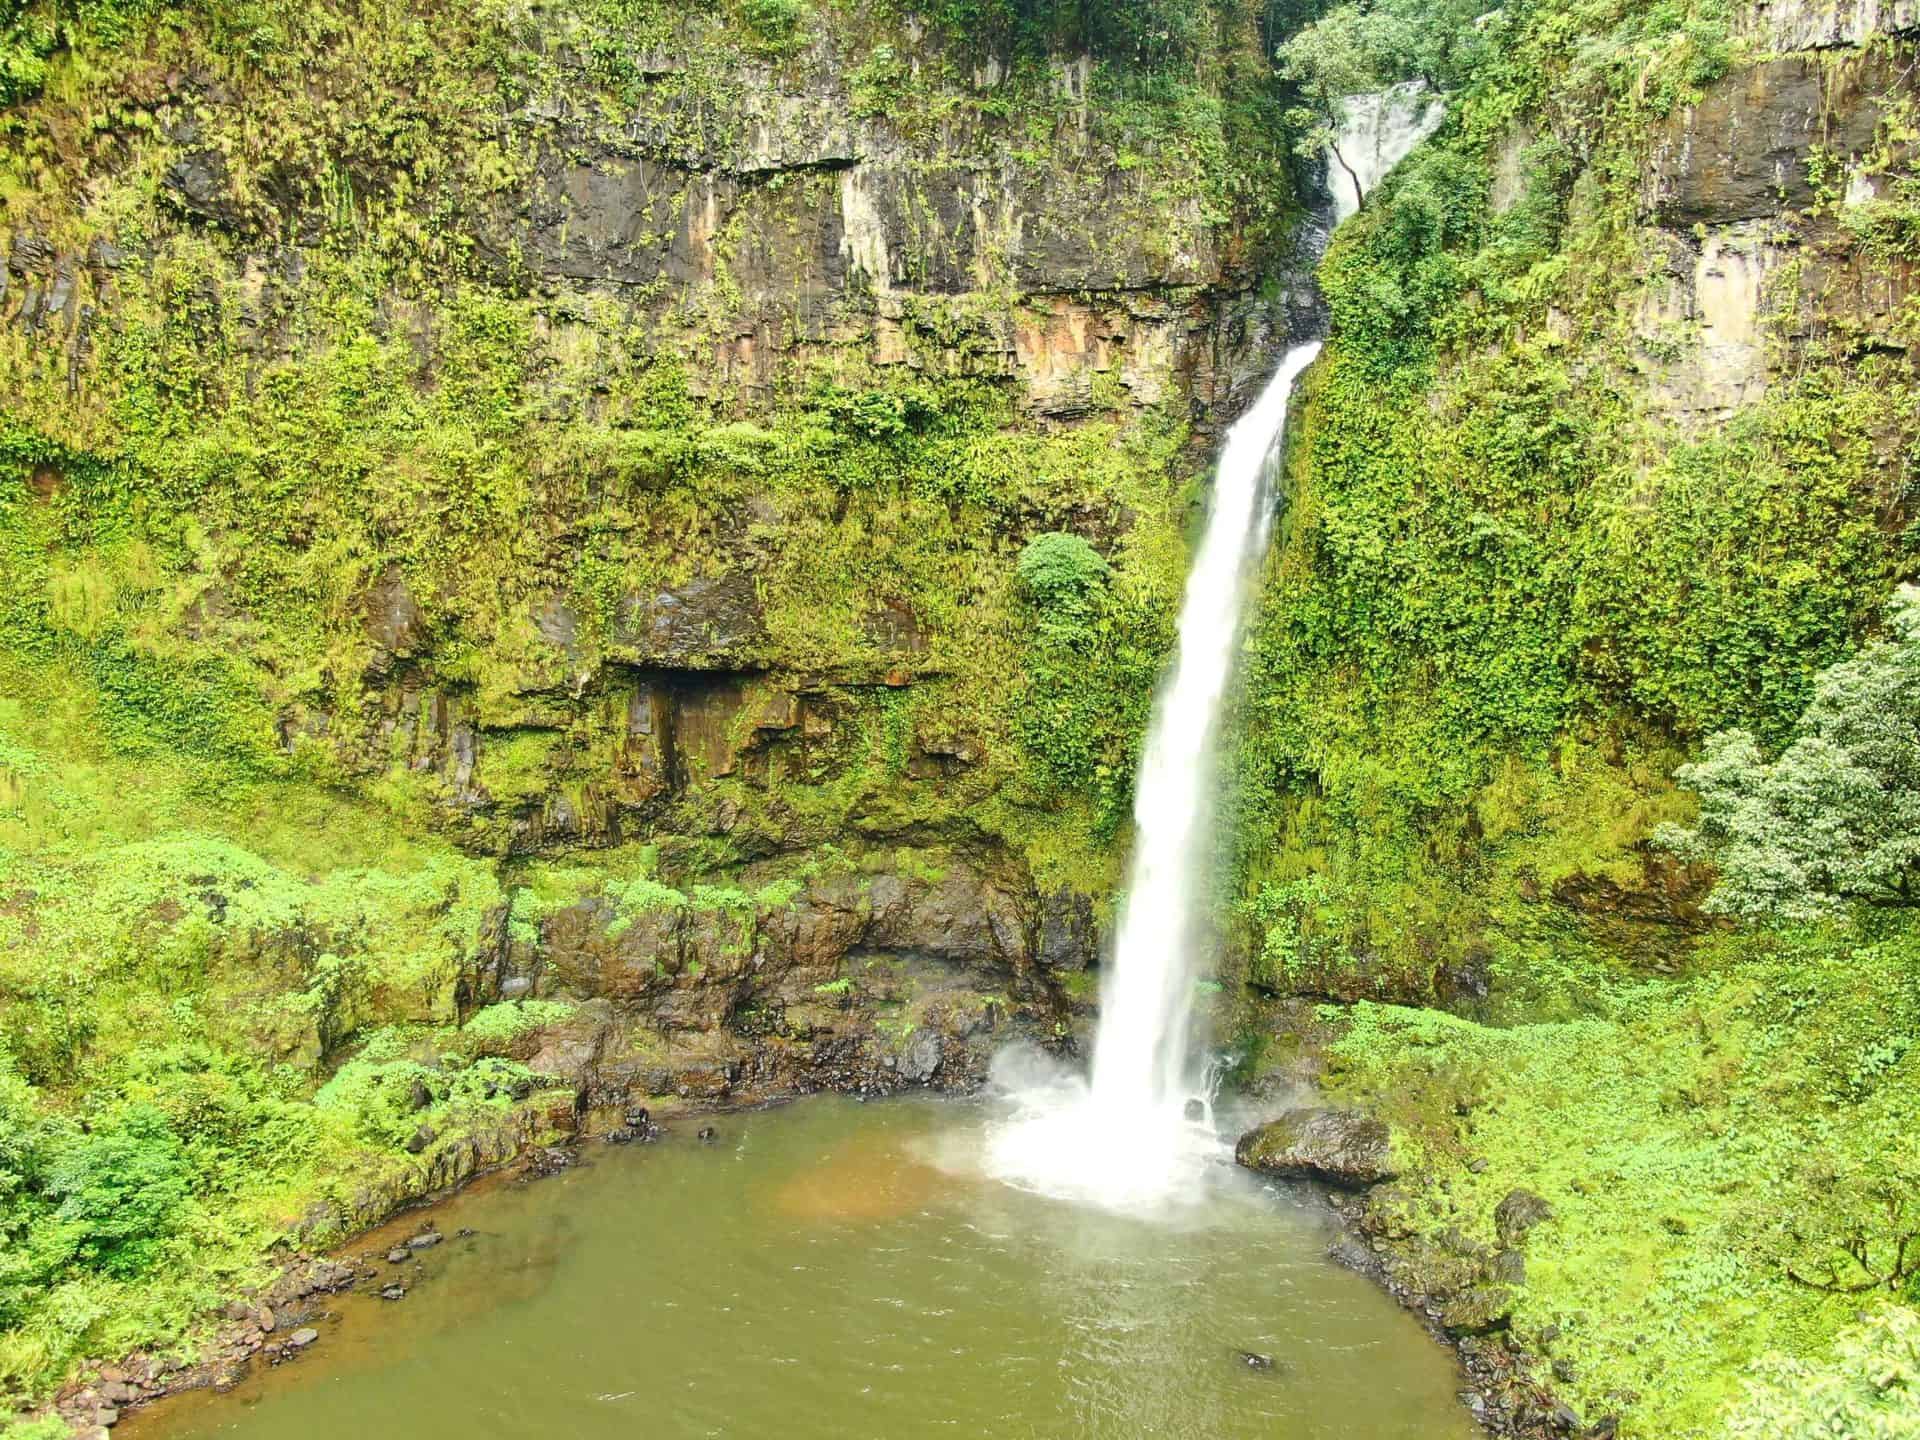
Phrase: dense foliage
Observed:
(1522, 577)
(1510, 595)
(1872, 1393)
(242, 916)
(1836, 816)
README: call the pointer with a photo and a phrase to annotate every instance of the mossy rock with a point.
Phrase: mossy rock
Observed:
(1339, 1147)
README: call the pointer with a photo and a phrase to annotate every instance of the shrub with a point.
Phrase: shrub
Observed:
(124, 1187)
(1870, 1391)
(1836, 817)
(1061, 571)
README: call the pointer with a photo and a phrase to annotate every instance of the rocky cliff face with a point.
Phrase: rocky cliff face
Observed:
(585, 437)
(1749, 188)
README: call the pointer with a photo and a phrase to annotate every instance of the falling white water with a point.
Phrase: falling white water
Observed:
(1376, 133)
(1124, 1141)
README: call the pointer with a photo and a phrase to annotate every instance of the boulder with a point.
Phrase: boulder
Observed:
(922, 1057)
(1477, 1309)
(1341, 1147)
(1514, 1216)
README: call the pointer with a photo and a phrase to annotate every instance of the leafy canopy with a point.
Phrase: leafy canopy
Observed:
(1871, 1392)
(1836, 817)
(1061, 571)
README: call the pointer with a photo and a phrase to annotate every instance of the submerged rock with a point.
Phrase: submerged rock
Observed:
(1340, 1147)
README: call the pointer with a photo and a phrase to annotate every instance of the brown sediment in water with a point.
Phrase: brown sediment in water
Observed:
(872, 1177)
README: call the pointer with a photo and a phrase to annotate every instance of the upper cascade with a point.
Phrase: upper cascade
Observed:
(1375, 133)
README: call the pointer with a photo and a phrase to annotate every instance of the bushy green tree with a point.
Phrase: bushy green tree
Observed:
(22, 1210)
(1061, 572)
(1871, 1391)
(123, 1186)
(1836, 816)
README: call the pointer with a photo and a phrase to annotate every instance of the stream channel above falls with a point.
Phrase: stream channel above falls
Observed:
(831, 1268)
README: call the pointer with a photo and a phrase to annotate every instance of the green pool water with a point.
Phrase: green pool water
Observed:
(837, 1269)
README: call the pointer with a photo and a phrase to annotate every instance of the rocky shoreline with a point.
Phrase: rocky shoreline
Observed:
(1459, 1288)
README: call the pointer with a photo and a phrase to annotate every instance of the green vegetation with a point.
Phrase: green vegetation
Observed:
(350, 460)
(1521, 581)
(1873, 1390)
(200, 1039)
(1837, 815)
(365, 498)
(1737, 1140)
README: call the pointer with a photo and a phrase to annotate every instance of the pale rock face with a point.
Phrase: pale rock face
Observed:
(1824, 24)
(1746, 263)
(1509, 170)
(864, 231)
(1702, 321)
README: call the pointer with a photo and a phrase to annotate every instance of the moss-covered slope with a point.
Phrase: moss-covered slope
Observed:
(509, 588)
(1611, 449)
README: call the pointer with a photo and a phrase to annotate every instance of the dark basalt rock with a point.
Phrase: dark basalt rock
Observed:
(1514, 1216)
(711, 622)
(1509, 1267)
(1742, 152)
(1340, 1147)
(1477, 1309)
(547, 1160)
(393, 618)
(1068, 938)
(199, 184)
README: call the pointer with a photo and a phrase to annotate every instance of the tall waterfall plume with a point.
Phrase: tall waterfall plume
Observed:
(1125, 1140)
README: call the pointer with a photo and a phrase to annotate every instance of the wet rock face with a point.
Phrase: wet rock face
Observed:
(394, 620)
(1746, 271)
(1068, 937)
(707, 623)
(1742, 152)
(963, 916)
(868, 982)
(1340, 1147)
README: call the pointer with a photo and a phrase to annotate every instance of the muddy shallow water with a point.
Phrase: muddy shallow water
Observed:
(837, 1269)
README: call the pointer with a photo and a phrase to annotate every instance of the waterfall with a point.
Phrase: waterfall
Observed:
(1376, 133)
(1125, 1139)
